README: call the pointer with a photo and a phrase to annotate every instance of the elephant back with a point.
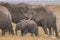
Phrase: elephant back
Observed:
(5, 14)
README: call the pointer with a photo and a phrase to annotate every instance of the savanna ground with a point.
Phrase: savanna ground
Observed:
(56, 9)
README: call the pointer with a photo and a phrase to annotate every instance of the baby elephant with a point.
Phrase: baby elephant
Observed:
(27, 26)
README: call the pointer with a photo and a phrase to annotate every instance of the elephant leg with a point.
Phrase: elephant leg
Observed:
(22, 32)
(3, 32)
(32, 33)
(55, 28)
(11, 32)
(50, 32)
(11, 29)
(25, 32)
(16, 31)
(45, 31)
(7, 31)
(44, 26)
(36, 33)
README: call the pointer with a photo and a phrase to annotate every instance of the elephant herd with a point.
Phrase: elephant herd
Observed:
(27, 19)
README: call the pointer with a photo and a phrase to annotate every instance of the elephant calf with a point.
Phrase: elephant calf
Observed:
(27, 26)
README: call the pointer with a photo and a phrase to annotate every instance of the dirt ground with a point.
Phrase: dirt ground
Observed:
(56, 9)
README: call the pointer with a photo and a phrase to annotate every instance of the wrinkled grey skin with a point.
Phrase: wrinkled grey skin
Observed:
(15, 10)
(27, 26)
(44, 17)
(5, 20)
(41, 15)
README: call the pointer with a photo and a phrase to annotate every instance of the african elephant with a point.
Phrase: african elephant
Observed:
(44, 17)
(15, 10)
(41, 15)
(5, 20)
(27, 26)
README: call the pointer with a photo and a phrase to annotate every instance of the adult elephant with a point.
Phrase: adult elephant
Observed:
(5, 20)
(15, 10)
(44, 17)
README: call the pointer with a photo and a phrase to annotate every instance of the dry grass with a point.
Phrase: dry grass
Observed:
(41, 36)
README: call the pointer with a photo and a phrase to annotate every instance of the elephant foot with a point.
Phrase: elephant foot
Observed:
(53, 37)
(45, 34)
